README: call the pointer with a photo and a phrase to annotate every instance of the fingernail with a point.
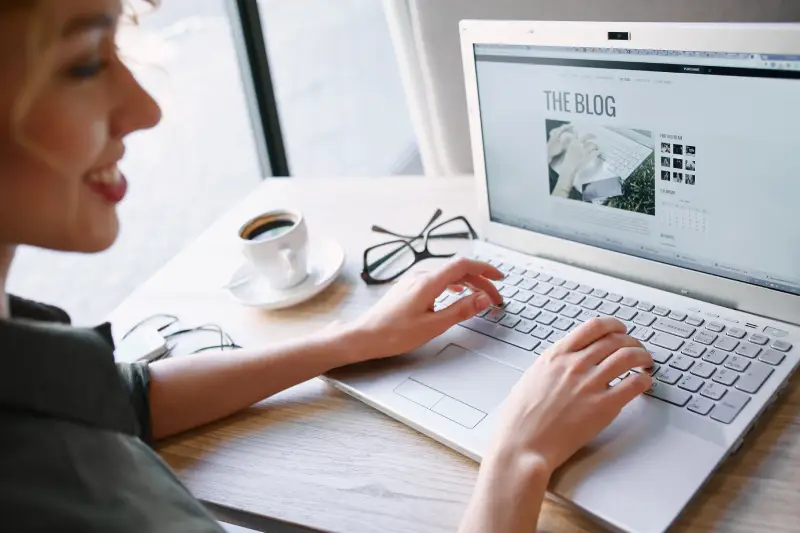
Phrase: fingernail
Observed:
(483, 301)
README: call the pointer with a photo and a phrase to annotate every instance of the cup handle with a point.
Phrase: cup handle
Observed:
(289, 258)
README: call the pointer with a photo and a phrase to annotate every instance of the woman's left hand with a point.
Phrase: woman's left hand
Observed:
(404, 318)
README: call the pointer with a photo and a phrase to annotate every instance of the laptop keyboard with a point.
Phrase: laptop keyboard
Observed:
(707, 367)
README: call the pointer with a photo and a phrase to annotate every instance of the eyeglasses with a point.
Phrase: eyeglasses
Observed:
(388, 261)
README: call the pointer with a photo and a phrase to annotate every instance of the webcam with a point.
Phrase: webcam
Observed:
(619, 36)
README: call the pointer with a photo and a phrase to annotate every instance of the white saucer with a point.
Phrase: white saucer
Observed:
(325, 262)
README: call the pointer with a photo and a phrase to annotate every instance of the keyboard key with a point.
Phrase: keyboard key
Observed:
(730, 406)
(504, 268)
(737, 363)
(736, 333)
(571, 285)
(667, 341)
(715, 357)
(520, 340)
(542, 332)
(771, 357)
(556, 336)
(680, 316)
(703, 370)
(758, 338)
(726, 343)
(691, 383)
(642, 334)
(542, 288)
(508, 291)
(715, 327)
(630, 327)
(523, 296)
(546, 318)
(599, 293)
(587, 315)
(726, 376)
(644, 319)
(682, 362)
(748, 350)
(482, 313)
(705, 337)
(645, 306)
(694, 321)
(557, 281)
(514, 308)
(513, 279)
(530, 313)
(659, 355)
(675, 328)
(700, 405)
(585, 289)
(554, 306)
(495, 315)
(574, 298)
(629, 302)
(542, 347)
(563, 324)
(527, 284)
(525, 326)
(558, 293)
(571, 311)
(614, 297)
(754, 377)
(544, 277)
(626, 313)
(661, 311)
(519, 270)
(668, 375)
(781, 346)
(608, 308)
(531, 274)
(712, 390)
(591, 303)
(693, 350)
(539, 301)
(668, 393)
(509, 321)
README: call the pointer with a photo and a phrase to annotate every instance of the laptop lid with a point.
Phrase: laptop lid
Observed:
(664, 154)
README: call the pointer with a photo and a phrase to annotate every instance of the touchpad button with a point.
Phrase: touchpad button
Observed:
(468, 376)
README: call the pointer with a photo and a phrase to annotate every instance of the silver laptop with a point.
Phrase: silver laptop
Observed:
(689, 235)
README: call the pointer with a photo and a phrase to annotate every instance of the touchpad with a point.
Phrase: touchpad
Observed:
(468, 377)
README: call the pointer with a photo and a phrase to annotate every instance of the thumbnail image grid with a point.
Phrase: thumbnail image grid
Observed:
(603, 165)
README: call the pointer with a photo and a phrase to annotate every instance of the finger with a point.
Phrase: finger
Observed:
(478, 283)
(621, 361)
(460, 311)
(599, 350)
(455, 271)
(629, 388)
(590, 332)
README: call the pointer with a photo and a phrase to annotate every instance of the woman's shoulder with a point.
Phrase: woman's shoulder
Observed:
(31, 310)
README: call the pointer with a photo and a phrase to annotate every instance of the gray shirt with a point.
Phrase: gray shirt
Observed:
(75, 435)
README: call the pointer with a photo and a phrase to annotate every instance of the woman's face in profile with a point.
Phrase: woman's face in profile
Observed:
(66, 104)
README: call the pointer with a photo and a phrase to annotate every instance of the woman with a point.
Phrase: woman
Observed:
(74, 452)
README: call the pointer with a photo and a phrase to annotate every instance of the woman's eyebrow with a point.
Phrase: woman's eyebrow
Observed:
(97, 21)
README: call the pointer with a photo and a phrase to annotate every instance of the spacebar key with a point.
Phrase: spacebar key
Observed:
(526, 342)
(673, 395)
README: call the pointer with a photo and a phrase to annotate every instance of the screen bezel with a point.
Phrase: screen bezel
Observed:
(755, 38)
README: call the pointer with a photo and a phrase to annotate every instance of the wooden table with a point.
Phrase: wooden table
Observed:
(315, 457)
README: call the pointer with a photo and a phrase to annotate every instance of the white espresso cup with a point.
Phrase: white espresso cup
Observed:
(276, 245)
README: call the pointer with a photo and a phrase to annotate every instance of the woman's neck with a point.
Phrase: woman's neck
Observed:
(6, 256)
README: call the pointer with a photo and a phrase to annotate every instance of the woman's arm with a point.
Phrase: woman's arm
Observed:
(189, 391)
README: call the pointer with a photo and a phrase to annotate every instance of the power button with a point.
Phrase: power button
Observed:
(775, 332)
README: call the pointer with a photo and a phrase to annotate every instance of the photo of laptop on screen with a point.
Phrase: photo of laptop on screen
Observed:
(637, 170)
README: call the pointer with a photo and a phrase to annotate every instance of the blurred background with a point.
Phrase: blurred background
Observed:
(342, 112)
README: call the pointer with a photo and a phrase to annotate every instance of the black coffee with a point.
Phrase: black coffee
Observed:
(270, 230)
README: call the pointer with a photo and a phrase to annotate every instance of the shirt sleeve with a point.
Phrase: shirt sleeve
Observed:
(136, 380)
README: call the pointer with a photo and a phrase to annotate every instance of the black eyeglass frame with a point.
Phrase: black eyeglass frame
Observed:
(407, 241)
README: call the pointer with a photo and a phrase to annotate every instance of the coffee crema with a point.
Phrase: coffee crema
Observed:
(270, 229)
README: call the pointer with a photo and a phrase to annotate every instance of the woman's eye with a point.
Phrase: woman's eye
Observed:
(87, 70)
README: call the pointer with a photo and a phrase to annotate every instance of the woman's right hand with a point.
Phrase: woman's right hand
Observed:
(564, 398)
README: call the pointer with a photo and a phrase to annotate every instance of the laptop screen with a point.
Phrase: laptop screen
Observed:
(687, 158)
